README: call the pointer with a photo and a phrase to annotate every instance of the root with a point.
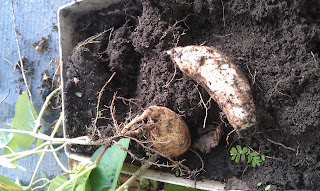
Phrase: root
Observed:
(280, 144)
(56, 73)
(195, 172)
(129, 100)
(98, 105)
(5, 97)
(91, 40)
(174, 74)
(112, 113)
(227, 139)
(133, 128)
(223, 18)
(183, 20)
(206, 107)
(19, 52)
(137, 119)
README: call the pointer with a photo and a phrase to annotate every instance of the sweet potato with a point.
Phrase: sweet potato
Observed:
(169, 133)
(224, 82)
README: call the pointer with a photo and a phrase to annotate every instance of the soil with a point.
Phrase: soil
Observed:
(275, 43)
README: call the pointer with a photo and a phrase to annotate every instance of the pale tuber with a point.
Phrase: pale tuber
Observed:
(224, 82)
(170, 134)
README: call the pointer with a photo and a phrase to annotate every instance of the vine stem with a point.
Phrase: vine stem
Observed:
(94, 165)
(139, 172)
(78, 140)
(77, 176)
(44, 107)
(39, 151)
(56, 127)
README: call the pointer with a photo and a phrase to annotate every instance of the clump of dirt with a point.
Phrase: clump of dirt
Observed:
(276, 44)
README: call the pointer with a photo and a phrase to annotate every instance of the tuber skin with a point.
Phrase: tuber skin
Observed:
(224, 82)
(169, 133)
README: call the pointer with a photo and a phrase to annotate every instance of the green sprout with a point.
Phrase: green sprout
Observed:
(238, 153)
(99, 114)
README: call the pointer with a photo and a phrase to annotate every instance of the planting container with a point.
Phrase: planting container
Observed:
(67, 16)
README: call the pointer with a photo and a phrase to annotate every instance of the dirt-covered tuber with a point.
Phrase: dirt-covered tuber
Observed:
(170, 134)
(225, 83)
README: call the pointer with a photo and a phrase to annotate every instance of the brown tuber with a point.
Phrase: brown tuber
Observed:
(224, 82)
(170, 134)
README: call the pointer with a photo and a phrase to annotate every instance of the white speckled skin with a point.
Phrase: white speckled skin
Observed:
(225, 83)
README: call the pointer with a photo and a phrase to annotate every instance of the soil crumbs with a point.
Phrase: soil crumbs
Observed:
(275, 43)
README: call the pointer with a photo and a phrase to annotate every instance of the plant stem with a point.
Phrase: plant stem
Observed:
(27, 153)
(78, 140)
(103, 150)
(41, 179)
(139, 172)
(44, 107)
(58, 160)
(38, 187)
(95, 164)
(77, 176)
(56, 127)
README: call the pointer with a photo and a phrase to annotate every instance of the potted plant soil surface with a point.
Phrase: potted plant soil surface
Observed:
(275, 44)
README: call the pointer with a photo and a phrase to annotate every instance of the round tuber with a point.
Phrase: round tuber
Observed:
(224, 82)
(169, 133)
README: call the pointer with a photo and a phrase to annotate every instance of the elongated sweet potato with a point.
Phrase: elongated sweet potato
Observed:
(225, 83)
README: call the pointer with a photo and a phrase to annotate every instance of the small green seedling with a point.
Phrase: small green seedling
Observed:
(259, 184)
(238, 153)
(296, 164)
(79, 94)
(90, 129)
(267, 187)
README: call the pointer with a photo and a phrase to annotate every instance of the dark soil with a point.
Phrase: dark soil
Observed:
(275, 43)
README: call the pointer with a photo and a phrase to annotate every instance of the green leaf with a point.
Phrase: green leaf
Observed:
(11, 144)
(173, 187)
(79, 94)
(259, 184)
(243, 157)
(58, 181)
(245, 149)
(7, 185)
(233, 157)
(268, 187)
(253, 154)
(263, 158)
(107, 172)
(239, 149)
(238, 158)
(24, 118)
(233, 151)
(254, 163)
(249, 158)
(5, 139)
